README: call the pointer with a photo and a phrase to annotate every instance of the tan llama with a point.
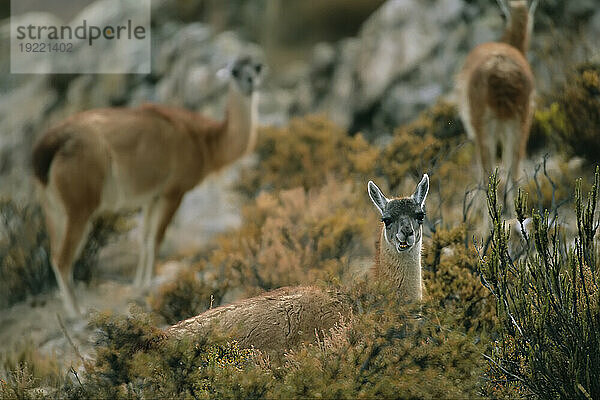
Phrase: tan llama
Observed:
(281, 319)
(399, 245)
(495, 91)
(126, 158)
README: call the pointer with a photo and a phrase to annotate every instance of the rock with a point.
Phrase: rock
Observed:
(21, 115)
(398, 38)
(340, 100)
(122, 56)
(8, 81)
(395, 67)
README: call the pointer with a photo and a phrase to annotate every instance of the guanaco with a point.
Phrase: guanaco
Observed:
(281, 319)
(496, 93)
(148, 157)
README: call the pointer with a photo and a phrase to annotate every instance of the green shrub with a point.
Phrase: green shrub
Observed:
(548, 304)
(385, 352)
(22, 384)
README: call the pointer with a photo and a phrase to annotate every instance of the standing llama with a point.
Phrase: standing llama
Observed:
(282, 319)
(126, 158)
(495, 91)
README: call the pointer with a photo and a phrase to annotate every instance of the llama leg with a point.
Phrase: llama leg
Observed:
(485, 138)
(159, 220)
(54, 226)
(144, 239)
(487, 149)
(170, 206)
(76, 228)
(513, 151)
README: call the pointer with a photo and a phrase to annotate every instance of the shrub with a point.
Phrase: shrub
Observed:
(434, 143)
(431, 143)
(381, 352)
(305, 153)
(548, 304)
(26, 370)
(386, 355)
(452, 281)
(25, 267)
(22, 384)
(105, 229)
(287, 238)
(135, 361)
(573, 113)
(440, 120)
(24, 261)
(193, 291)
(298, 236)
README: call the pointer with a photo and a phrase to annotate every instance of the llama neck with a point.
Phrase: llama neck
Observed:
(240, 125)
(517, 30)
(404, 269)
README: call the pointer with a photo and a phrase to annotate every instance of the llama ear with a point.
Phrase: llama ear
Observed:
(421, 191)
(377, 197)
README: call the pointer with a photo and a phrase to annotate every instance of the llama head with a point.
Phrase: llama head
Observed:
(522, 10)
(402, 217)
(245, 73)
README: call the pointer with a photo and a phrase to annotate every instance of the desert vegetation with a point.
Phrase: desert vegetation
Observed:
(506, 312)
(313, 224)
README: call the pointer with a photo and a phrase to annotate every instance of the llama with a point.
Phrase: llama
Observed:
(495, 90)
(398, 256)
(282, 319)
(127, 158)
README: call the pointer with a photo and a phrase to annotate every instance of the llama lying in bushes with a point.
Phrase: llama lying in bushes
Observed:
(283, 318)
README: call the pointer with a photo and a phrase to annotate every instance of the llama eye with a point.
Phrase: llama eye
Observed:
(420, 216)
(387, 221)
(235, 72)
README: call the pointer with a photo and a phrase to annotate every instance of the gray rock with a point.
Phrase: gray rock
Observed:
(396, 39)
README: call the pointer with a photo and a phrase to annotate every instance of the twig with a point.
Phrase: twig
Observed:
(79, 381)
(64, 330)
(503, 369)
